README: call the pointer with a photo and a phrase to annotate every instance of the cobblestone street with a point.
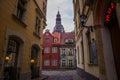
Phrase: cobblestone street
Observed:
(62, 75)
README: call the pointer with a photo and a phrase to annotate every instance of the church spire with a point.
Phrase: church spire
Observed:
(58, 27)
(58, 18)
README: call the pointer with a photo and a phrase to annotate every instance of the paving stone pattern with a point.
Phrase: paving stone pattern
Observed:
(62, 75)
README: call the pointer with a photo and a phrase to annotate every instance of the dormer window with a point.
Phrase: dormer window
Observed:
(67, 41)
(55, 39)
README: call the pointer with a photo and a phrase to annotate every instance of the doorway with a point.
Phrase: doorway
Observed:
(11, 70)
(33, 66)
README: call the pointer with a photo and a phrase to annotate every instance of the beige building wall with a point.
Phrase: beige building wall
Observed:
(83, 62)
(79, 54)
(105, 70)
(90, 68)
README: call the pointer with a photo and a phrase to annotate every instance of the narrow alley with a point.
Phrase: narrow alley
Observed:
(60, 40)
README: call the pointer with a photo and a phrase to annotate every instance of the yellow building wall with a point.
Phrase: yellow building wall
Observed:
(8, 22)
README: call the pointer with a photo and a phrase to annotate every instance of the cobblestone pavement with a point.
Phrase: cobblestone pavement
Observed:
(62, 75)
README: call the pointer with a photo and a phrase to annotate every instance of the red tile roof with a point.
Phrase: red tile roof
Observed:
(57, 35)
(68, 35)
(61, 37)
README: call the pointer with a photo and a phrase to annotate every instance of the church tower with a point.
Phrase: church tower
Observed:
(58, 26)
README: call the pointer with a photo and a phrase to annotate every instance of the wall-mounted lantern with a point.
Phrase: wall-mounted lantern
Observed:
(32, 61)
(82, 21)
(7, 58)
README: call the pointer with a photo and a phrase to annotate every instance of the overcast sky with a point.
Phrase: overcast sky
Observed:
(66, 10)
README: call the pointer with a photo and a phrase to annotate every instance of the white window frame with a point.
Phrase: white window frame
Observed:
(47, 40)
(54, 62)
(54, 50)
(46, 62)
(68, 40)
(55, 39)
(47, 50)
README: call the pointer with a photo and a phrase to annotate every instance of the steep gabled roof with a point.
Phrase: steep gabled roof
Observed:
(67, 35)
(57, 35)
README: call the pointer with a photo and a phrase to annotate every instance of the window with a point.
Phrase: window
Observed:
(70, 63)
(92, 50)
(46, 62)
(54, 62)
(37, 26)
(63, 63)
(68, 40)
(12, 44)
(70, 52)
(47, 40)
(55, 39)
(47, 50)
(82, 52)
(20, 9)
(63, 52)
(78, 54)
(44, 7)
(54, 50)
(12, 52)
(93, 55)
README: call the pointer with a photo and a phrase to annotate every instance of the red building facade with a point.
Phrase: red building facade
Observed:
(52, 44)
(50, 53)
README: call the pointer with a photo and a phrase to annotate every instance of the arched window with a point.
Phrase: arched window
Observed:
(12, 52)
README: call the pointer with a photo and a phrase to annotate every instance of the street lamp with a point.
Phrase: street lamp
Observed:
(82, 21)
